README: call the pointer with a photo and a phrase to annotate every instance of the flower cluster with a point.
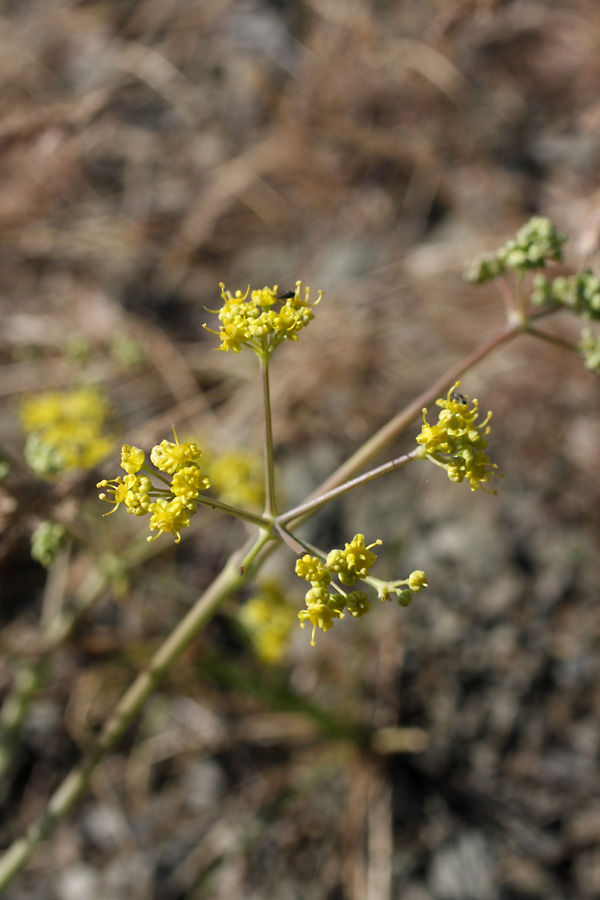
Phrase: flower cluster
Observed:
(169, 507)
(262, 319)
(456, 442)
(589, 347)
(535, 243)
(580, 293)
(268, 619)
(65, 430)
(349, 565)
(47, 541)
(404, 589)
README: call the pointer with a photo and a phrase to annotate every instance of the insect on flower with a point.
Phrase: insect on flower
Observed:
(287, 295)
(458, 398)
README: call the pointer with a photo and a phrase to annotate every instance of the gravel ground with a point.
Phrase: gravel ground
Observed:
(151, 149)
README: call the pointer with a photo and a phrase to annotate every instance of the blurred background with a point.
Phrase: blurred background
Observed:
(151, 149)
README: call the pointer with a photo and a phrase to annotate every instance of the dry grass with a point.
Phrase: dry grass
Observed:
(151, 149)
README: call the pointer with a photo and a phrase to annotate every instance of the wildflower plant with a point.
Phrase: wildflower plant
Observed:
(169, 501)
(171, 488)
(263, 319)
(65, 430)
(268, 619)
(456, 442)
(47, 541)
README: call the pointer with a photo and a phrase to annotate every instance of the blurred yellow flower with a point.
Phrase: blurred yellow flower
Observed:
(268, 619)
(65, 430)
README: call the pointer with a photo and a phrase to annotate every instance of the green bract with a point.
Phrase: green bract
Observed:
(533, 245)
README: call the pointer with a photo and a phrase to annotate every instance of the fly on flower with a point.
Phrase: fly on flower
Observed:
(456, 442)
(262, 319)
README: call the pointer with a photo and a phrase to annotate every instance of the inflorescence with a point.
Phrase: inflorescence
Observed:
(579, 293)
(349, 565)
(268, 619)
(456, 442)
(262, 319)
(535, 243)
(66, 430)
(169, 507)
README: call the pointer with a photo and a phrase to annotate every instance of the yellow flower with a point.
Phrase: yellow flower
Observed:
(169, 516)
(133, 491)
(65, 430)
(358, 603)
(457, 442)
(188, 482)
(170, 504)
(312, 569)
(354, 561)
(417, 580)
(169, 457)
(268, 619)
(132, 459)
(138, 499)
(262, 319)
(118, 488)
(320, 613)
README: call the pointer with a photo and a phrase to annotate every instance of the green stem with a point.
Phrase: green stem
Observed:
(552, 339)
(229, 580)
(26, 681)
(296, 544)
(312, 505)
(252, 518)
(253, 548)
(29, 676)
(270, 505)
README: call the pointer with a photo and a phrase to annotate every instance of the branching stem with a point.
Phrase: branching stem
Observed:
(396, 426)
(230, 579)
(312, 505)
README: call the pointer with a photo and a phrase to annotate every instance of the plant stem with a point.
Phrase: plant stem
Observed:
(268, 438)
(67, 794)
(396, 426)
(244, 514)
(232, 577)
(552, 339)
(27, 679)
(371, 475)
(291, 541)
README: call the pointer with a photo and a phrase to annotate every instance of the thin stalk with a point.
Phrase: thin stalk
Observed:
(291, 541)
(396, 426)
(29, 676)
(231, 578)
(312, 505)
(71, 789)
(257, 546)
(27, 680)
(509, 299)
(268, 438)
(244, 514)
(552, 339)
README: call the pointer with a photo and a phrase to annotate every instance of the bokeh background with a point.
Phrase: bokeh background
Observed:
(150, 149)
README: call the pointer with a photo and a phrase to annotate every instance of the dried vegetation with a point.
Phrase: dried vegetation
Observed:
(150, 149)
